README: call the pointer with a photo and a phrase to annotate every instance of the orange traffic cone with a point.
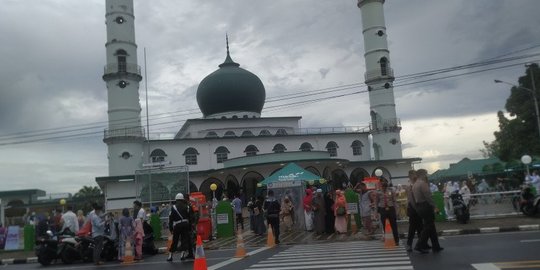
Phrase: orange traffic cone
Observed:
(169, 242)
(200, 259)
(240, 249)
(128, 253)
(354, 227)
(388, 236)
(270, 242)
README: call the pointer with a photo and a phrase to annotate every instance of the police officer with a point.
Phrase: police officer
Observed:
(180, 227)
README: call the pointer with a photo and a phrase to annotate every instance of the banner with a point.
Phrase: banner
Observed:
(13, 238)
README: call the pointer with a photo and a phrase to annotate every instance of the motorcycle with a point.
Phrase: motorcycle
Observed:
(48, 246)
(461, 210)
(529, 204)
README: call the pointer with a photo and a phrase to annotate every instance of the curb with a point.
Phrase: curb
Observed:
(532, 227)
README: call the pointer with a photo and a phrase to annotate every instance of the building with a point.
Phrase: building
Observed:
(233, 145)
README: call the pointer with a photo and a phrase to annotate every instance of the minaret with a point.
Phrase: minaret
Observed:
(385, 126)
(125, 136)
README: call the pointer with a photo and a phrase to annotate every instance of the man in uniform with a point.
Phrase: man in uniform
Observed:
(180, 226)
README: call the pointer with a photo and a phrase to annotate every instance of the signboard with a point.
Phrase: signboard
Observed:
(13, 239)
(352, 208)
(285, 184)
(290, 176)
(222, 218)
(372, 183)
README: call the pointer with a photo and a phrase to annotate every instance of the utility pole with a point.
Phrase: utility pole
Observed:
(534, 96)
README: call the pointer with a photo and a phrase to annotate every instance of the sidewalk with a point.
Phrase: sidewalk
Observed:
(505, 224)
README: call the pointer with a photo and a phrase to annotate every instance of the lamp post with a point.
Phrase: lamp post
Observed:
(213, 187)
(526, 159)
(533, 92)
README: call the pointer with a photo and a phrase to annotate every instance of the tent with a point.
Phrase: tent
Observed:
(292, 173)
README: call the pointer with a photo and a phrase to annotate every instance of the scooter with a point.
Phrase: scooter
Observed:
(529, 204)
(461, 210)
(48, 247)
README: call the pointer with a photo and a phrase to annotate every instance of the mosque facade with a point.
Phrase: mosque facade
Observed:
(233, 145)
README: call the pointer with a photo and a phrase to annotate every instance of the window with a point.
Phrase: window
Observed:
(357, 148)
(332, 147)
(384, 66)
(157, 155)
(247, 133)
(279, 148)
(221, 154)
(119, 20)
(191, 156)
(281, 132)
(251, 150)
(265, 132)
(125, 155)
(122, 64)
(306, 147)
(229, 134)
(211, 134)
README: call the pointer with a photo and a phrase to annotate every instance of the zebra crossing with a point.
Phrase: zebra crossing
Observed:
(341, 255)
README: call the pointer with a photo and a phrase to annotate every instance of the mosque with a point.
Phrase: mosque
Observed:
(233, 145)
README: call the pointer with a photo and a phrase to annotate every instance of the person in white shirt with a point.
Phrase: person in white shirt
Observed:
(69, 220)
(138, 211)
(535, 181)
(465, 193)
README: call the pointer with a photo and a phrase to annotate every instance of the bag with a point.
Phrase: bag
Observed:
(86, 229)
(341, 211)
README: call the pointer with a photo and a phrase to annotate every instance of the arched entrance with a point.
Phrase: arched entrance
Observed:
(339, 179)
(205, 188)
(313, 170)
(249, 184)
(231, 186)
(357, 175)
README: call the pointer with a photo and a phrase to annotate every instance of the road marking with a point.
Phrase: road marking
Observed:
(233, 260)
(485, 266)
(530, 240)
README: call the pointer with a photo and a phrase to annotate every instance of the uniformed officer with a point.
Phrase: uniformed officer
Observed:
(180, 227)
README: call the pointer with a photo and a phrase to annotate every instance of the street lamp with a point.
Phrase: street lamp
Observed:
(533, 92)
(526, 159)
(213, 188)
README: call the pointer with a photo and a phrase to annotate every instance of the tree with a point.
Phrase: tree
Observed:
(489, 149)
(518, 134)
(88, 195)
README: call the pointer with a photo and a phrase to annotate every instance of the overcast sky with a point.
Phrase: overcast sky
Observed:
(53, 55)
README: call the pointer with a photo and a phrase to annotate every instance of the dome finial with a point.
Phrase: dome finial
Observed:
(228, 59)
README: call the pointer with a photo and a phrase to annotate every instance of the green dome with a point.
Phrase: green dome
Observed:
(230, 89)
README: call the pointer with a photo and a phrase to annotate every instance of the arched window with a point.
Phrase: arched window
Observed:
(265, 132)
(121, 55)
(157, 155)
(306, 147)
(191, 156)
(251, 150)
(247, 133)
(281, 132)
(279, 148)
(221, 154)
(229, 134)
(384, 66)
(332, 147)
(211, 134)
(357, 148)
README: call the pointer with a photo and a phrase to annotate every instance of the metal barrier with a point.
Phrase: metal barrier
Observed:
(481, 205)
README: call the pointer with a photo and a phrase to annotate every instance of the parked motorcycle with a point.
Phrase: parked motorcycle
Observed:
(529, 204)
(461, 210)
(48, 246)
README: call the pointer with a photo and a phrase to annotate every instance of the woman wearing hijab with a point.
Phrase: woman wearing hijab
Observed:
(319, 212)
(340, 212)
(258, 218)
(287, 211)
(308, 209)
(126, 232)
(329, 217)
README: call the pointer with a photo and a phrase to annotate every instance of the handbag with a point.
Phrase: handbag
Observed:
(341, 211)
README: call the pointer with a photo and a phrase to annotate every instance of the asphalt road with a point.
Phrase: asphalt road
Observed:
(516, 250)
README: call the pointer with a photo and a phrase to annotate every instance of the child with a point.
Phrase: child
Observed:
(139, 236)
(126, 233)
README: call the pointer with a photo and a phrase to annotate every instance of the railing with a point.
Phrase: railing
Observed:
(122, 67)
(331, 130)
(386, 125)
(481, 205)
(124, 132)
(379, 73)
